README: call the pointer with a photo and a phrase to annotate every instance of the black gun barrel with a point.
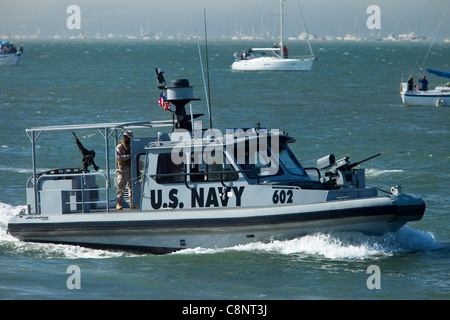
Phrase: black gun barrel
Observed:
(359, 162)
(83, 150)
(88, 155)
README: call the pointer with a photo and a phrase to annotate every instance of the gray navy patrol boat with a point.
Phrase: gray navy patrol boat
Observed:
(200, 188)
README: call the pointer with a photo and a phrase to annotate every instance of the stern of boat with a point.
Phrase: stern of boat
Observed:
(403, 89)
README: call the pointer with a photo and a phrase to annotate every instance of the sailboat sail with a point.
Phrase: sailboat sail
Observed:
(439, 73)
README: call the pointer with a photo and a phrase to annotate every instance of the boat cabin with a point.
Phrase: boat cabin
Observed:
(258, 53)
(172, 164)
(188, 167)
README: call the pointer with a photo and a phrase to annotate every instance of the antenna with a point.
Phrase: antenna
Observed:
(207, 71)
(204, 82)
(281, 30)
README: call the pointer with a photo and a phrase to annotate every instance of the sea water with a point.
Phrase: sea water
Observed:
(349, 105)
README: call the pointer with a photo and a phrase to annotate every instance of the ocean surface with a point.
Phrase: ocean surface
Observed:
(349, 105)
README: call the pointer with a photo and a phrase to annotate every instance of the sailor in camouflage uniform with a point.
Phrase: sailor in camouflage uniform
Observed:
(123, 157)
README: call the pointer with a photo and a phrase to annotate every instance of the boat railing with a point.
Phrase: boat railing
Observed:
(70, 192)
(315, 169)
(184, 176)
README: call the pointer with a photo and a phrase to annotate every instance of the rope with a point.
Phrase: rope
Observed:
(304, 26)
(431, 45)
(432, 42)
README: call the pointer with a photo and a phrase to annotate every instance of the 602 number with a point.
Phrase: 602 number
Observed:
(283, 196)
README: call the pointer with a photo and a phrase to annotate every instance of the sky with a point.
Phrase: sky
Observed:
(224, 18)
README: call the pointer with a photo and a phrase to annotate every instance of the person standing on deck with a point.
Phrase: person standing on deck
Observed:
(423, 80)
(123, 157)
(411, 84)
(285, 52)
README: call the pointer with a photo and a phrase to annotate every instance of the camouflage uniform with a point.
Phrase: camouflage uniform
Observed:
(123, 157)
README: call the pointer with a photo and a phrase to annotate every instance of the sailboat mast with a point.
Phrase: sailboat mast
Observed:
(281, 29)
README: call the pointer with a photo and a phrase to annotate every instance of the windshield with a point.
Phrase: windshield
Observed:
(254, 157)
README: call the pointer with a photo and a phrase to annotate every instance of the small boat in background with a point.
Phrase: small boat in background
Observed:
(438, 97)
(273, 59)
(9, 54)
(270, 59)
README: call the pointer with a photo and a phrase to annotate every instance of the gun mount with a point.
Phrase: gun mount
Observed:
(88, 155)
(342, 173)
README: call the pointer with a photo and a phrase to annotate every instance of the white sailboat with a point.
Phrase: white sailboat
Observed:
(273, 59)
(439, 96)
(412, 95)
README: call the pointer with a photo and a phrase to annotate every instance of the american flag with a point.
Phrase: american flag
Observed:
(163, 102)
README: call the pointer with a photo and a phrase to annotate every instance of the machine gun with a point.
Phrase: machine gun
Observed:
(341, 172)
(88, 155)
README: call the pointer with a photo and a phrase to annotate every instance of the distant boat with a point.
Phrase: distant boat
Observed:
(272, 59)
(390, 37)
(409, 37)
(9, 54)
(438, 97)
(351, 37)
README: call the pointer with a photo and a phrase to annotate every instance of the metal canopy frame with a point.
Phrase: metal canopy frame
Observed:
(105, 129)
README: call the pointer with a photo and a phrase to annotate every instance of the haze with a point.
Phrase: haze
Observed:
(47, 18)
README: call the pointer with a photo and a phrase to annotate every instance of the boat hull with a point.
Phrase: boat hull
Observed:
(272, 64)
(168, 231)
(9, 59)
(426, 98)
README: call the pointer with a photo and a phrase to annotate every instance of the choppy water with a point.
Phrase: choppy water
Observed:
(348, 104)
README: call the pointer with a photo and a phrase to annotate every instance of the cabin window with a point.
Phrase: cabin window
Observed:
(257, 158)
(289, 161)
(209, 166)
(169, 172)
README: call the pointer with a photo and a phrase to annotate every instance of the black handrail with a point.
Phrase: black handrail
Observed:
(186, 174)
(314, 168)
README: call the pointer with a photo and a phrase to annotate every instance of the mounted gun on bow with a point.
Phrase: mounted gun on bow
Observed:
(342, 173)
